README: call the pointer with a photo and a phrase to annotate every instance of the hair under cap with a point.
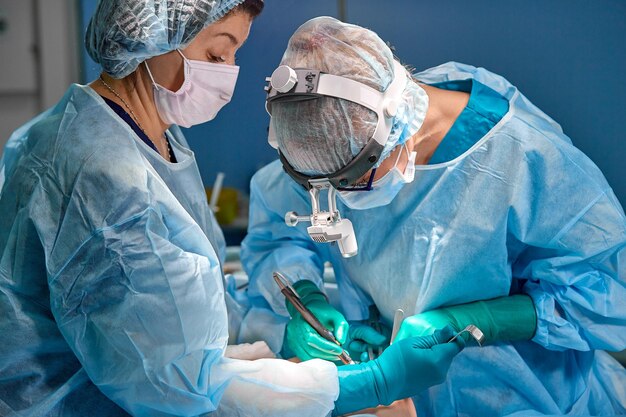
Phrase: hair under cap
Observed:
(323, 135)
(123, 33)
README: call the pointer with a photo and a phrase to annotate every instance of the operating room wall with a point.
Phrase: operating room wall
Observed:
(567, 56)
(40, 57)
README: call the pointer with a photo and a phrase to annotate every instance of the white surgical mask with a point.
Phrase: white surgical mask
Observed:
(206, 89)
(385, 189)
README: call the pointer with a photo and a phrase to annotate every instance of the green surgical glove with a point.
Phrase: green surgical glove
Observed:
(301, 338)
(500, 319)
(403, 370)
(361, 337)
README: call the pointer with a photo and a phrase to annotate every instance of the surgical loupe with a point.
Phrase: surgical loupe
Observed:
(289, 84)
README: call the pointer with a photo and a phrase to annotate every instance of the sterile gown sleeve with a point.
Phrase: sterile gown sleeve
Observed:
(145, 317)
(570, 224)
(271, 245)
(577, 279)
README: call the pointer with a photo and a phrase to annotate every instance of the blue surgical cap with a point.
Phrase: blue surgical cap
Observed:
(322, 136)
(123, 33)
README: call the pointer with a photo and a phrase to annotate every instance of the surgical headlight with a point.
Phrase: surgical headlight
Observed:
(300, 84)
(326, 226)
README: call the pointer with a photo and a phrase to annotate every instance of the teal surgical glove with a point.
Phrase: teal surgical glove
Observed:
(361, 337)
(500, 319)
(301, 338)
(403, 370)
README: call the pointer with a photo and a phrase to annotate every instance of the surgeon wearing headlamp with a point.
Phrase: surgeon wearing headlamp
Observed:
(112, 299)
(475, 208)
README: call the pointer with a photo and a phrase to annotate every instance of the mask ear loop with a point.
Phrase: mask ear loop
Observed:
(408, 158)
(371, 181)
(395, 165)
(404, 148)
(150, 73)
(181, 54)
(154, 83)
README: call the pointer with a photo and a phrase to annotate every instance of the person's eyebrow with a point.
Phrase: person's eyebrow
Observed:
(233, 40)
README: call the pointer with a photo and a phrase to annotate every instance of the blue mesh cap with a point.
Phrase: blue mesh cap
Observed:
(123, 33)
(321, 136)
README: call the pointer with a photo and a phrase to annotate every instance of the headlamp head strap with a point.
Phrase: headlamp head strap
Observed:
(347, 175)
(289, 84)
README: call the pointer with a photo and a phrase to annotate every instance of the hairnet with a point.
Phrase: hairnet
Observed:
(321, 136)
(123, 33)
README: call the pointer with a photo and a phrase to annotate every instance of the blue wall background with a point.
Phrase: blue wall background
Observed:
(567, 56)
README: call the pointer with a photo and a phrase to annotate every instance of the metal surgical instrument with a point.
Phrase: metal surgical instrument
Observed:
(474, 331)
(397, 322)
(307, 315)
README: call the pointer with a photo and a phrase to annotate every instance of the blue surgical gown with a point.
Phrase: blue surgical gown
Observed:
(521, 211)
(111, 290)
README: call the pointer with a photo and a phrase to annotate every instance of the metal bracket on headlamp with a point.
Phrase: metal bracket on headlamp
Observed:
(326, 226)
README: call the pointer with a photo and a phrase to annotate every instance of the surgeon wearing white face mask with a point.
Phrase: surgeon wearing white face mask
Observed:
(207, 87)
(184, 87)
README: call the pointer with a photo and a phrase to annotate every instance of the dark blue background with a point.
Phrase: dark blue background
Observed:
(567, 56)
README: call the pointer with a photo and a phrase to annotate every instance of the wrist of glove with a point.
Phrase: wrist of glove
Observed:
(362, 338)
(510, 318)
(403, 370)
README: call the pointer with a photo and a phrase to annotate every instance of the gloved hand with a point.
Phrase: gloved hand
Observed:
(301, 338)
(500, 319)
(362, 336)
(403, 370)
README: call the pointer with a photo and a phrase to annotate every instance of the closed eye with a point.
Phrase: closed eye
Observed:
(217, 59)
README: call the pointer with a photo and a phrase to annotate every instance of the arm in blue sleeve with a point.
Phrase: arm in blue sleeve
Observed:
(147, 321)
(145, 317)
(271, 245)
(578, 281)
